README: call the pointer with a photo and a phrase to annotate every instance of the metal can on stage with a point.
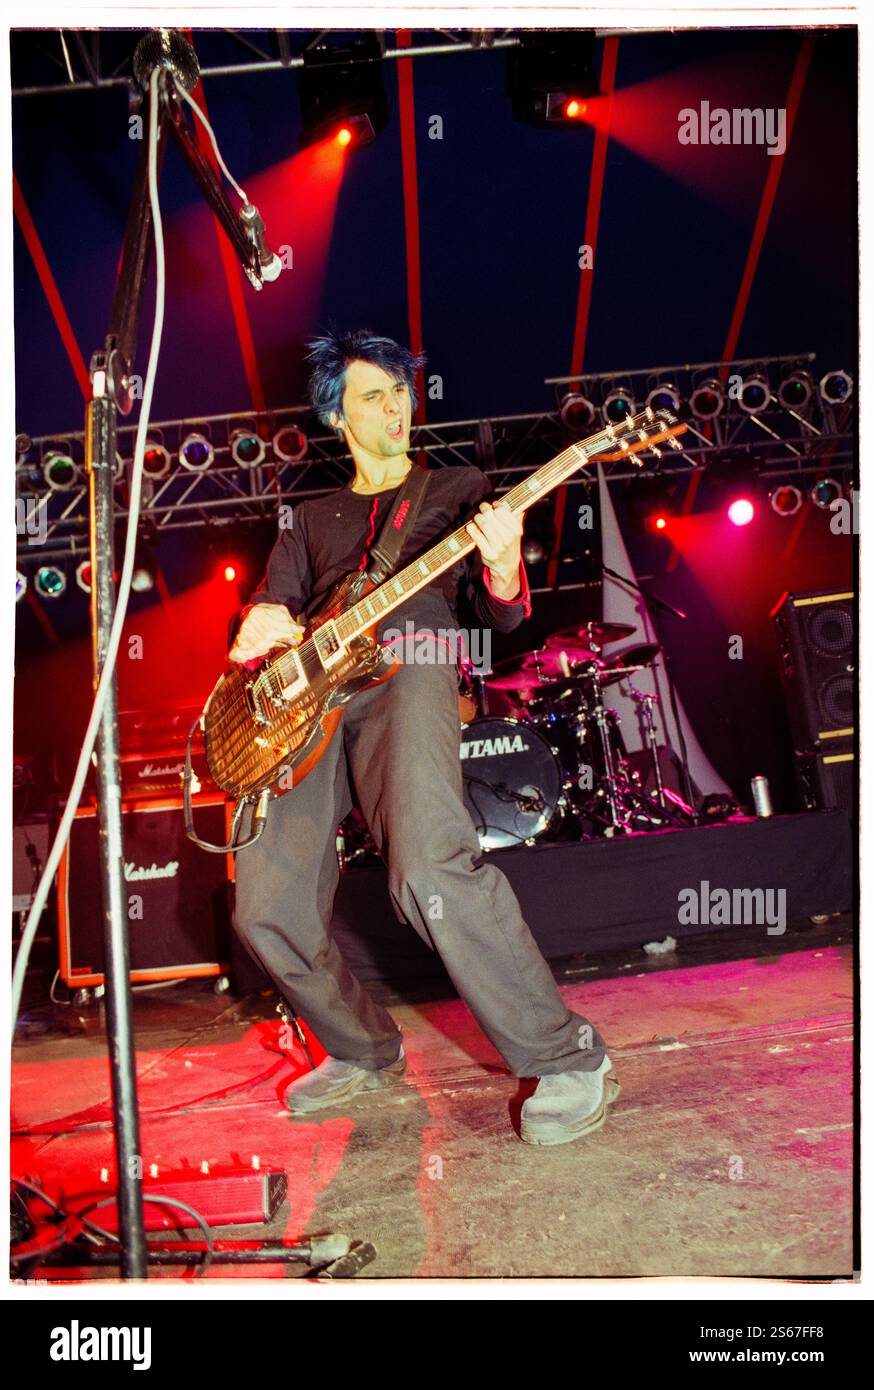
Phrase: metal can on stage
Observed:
(761, 796)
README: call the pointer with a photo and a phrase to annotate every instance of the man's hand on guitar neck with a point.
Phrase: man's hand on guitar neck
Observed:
(265, 626)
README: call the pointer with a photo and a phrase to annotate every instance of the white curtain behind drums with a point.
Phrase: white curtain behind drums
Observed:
(624, 605)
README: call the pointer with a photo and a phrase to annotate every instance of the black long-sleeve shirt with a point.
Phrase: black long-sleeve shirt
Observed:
(329, 536)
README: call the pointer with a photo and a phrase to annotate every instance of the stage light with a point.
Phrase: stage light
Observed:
(230, 573)
(20, 585)
(532, 551)
(342, 90)
(755, 394)
(785, 500)
(143, 579)
(660, 523)
(824, 492)
(618, 404)
(247, 448)
(156, 460)
(707, 399)
(795, 391)
(665, 396)
(550, 74)
(290, 444)
(196, 453)
(741, 511)
(50, 582)
(59, 470)
(577, 413)
(836, 388)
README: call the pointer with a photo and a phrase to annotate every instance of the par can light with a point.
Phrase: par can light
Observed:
(196, 453)
(247, 448)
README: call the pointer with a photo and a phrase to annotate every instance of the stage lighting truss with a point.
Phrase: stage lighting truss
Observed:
(247, 447)
(290, 444)
(755, 393)
(786, 499)
(578, 413)
(60, 469)
(305, 459)
(196, 452)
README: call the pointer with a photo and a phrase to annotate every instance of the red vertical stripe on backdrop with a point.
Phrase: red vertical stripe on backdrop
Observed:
(769, 193)
(50, 289)
(407, 105)
(230, 265)
(607, 83)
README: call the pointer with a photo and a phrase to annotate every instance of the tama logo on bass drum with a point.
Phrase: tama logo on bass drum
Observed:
(493, 747)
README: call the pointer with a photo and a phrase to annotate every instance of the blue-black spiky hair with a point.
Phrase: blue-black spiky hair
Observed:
(331, 353)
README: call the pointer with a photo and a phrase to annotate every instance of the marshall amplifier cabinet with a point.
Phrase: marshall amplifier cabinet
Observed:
(816, 643)
(177, 895)
(152, 757)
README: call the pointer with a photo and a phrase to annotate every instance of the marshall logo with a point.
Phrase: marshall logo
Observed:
(493, 747)
(161, 770)
(135, 873)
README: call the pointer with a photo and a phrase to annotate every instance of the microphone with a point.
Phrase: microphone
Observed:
(166, 48)
(271, 265)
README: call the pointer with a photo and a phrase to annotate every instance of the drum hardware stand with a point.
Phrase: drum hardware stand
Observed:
(666, 607)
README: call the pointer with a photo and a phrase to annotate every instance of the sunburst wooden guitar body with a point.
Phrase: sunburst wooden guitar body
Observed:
(265, 729)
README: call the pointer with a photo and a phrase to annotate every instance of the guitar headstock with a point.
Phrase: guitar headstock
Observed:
(639, 434)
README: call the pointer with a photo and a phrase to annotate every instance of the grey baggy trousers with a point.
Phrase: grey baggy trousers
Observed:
(400, 744)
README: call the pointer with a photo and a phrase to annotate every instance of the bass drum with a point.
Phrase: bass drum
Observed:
(512, 781)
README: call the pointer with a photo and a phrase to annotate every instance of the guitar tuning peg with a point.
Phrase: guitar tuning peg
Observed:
(656, 451)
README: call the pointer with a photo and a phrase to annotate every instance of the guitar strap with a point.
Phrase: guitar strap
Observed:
(398, 525)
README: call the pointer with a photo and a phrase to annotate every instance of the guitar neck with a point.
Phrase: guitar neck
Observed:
(441, 557)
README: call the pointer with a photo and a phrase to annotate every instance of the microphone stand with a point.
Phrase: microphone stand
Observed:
(672, 691)
(111, 370)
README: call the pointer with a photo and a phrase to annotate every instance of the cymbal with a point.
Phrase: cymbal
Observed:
(641, 655)
(530, 670)
(585, 634)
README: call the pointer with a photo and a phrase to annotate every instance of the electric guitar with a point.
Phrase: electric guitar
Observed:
(265, 729)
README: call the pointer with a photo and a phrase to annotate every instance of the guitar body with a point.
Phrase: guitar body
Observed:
(255, 741)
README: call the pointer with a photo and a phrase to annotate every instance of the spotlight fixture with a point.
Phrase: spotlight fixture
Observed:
(836, 388)
(59, 470)
(49, 581)
(195, 452)
(247, 448)
(618, 404)
(342, 93)
(83, 576)
(577, 412)
(20, 585)
(665, 396)
(707, 399)
(755, 394)
(290, 444)
(156, 460)
(785, 500)
(741, 511)
(142, 581)
(795, 391)
(824, 492)
(551, 76)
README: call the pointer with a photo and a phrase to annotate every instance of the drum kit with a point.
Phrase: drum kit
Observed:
(542, 753)
(544, 758)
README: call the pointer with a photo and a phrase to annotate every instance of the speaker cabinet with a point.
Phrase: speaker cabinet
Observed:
(827, 780)
(176, 895)
(816, 642)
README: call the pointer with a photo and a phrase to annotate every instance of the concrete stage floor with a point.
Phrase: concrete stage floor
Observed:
(728, 1153)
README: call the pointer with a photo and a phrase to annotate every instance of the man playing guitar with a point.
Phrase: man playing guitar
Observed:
(398, 744)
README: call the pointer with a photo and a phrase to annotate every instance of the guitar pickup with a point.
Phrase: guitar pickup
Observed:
(328, 644)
